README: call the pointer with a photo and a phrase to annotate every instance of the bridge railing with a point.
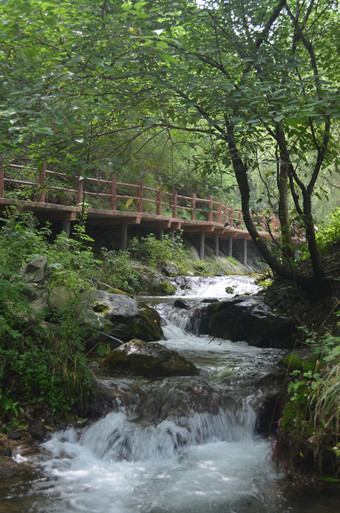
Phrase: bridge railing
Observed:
(45, 186)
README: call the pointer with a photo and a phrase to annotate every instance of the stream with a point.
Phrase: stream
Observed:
(182, 445)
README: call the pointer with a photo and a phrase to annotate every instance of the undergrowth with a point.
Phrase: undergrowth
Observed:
(309, 432)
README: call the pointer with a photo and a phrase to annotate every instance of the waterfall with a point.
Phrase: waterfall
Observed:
(183, 445)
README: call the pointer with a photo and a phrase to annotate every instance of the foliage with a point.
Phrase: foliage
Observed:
(313, 411)
(21, 239)
(71, 260)
(158, 253)
(245, 87)
(41, 362)
(43, 365)
(119, 271)
(330, 232)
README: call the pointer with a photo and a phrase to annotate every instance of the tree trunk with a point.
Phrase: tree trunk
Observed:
(240, 170)
(287, 248)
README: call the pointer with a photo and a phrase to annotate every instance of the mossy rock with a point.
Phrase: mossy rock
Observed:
(149, 360)
(300, 361)
(116, 291)
(146, 325)
(123, 317)
(165, 288)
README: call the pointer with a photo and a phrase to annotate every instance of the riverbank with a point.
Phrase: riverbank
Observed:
(307, 437)
(34, 391)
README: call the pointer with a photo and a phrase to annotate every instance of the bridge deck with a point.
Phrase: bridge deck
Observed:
(56, 196)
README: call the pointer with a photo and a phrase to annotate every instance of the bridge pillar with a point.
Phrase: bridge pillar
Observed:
(66, 227)
(172, 236)
(230, 247)
(123, 237)
(216, 245)
(201, 247)
(161, 234)
(245, 252)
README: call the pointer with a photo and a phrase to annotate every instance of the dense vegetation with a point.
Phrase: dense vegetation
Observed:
(235, 97)
(42, 351)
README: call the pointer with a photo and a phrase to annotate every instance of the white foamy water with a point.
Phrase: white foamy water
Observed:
(196, 461)
(211, 287)
(201, 477)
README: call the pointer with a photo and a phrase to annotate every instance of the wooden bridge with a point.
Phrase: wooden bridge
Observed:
(57, 196)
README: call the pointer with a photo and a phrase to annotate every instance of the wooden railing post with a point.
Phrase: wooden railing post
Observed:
(140, 196)
(174, 204)
(231, 217)
(193, 206)
(79, 193)
(239, 219)
(211, 214)
(219, 211)
(2, 178)
(113, 192)
(263, 223)
(42, 181)
(224, 214)
(159, 202)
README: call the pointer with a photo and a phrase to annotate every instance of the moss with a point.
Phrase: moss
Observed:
(100, 308)
(295, 362)
(116, 291)
(148, 360)
(165, 288)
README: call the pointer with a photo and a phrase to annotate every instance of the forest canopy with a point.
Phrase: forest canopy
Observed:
(242, 93)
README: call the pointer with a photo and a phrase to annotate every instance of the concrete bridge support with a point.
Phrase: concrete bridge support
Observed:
(201, 246)
(245, 252)
(230, 247)
(66, 227)
(123, 237)
(216, 244)
(172, 235)
(161, 234)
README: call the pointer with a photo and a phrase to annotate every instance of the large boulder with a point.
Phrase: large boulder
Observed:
(123, 317)
(149, 360)
(36, 274)
(246, 318)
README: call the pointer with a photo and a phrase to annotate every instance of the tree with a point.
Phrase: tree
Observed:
(252, 78)
(258, 75)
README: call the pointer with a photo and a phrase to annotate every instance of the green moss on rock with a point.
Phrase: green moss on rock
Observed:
(165, 288)
(149, 360)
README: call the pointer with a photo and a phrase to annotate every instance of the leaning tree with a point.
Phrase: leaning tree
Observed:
(252, 75)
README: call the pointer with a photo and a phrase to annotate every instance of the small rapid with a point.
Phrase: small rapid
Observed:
(181, 445)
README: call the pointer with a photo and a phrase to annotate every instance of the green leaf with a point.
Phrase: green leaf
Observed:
(43, 130)
(126, 7)
(170, 58)
(162, 44)
(139, 5)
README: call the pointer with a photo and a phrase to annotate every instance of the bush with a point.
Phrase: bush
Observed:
(329, 233)
(118, 271)
(158, 254)
(38, 364)
(310, 423)
(41, 362)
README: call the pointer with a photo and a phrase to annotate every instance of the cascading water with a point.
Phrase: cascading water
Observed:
(184, 445)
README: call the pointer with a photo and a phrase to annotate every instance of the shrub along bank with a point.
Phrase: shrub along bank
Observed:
(43, 352)
(308, 435)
